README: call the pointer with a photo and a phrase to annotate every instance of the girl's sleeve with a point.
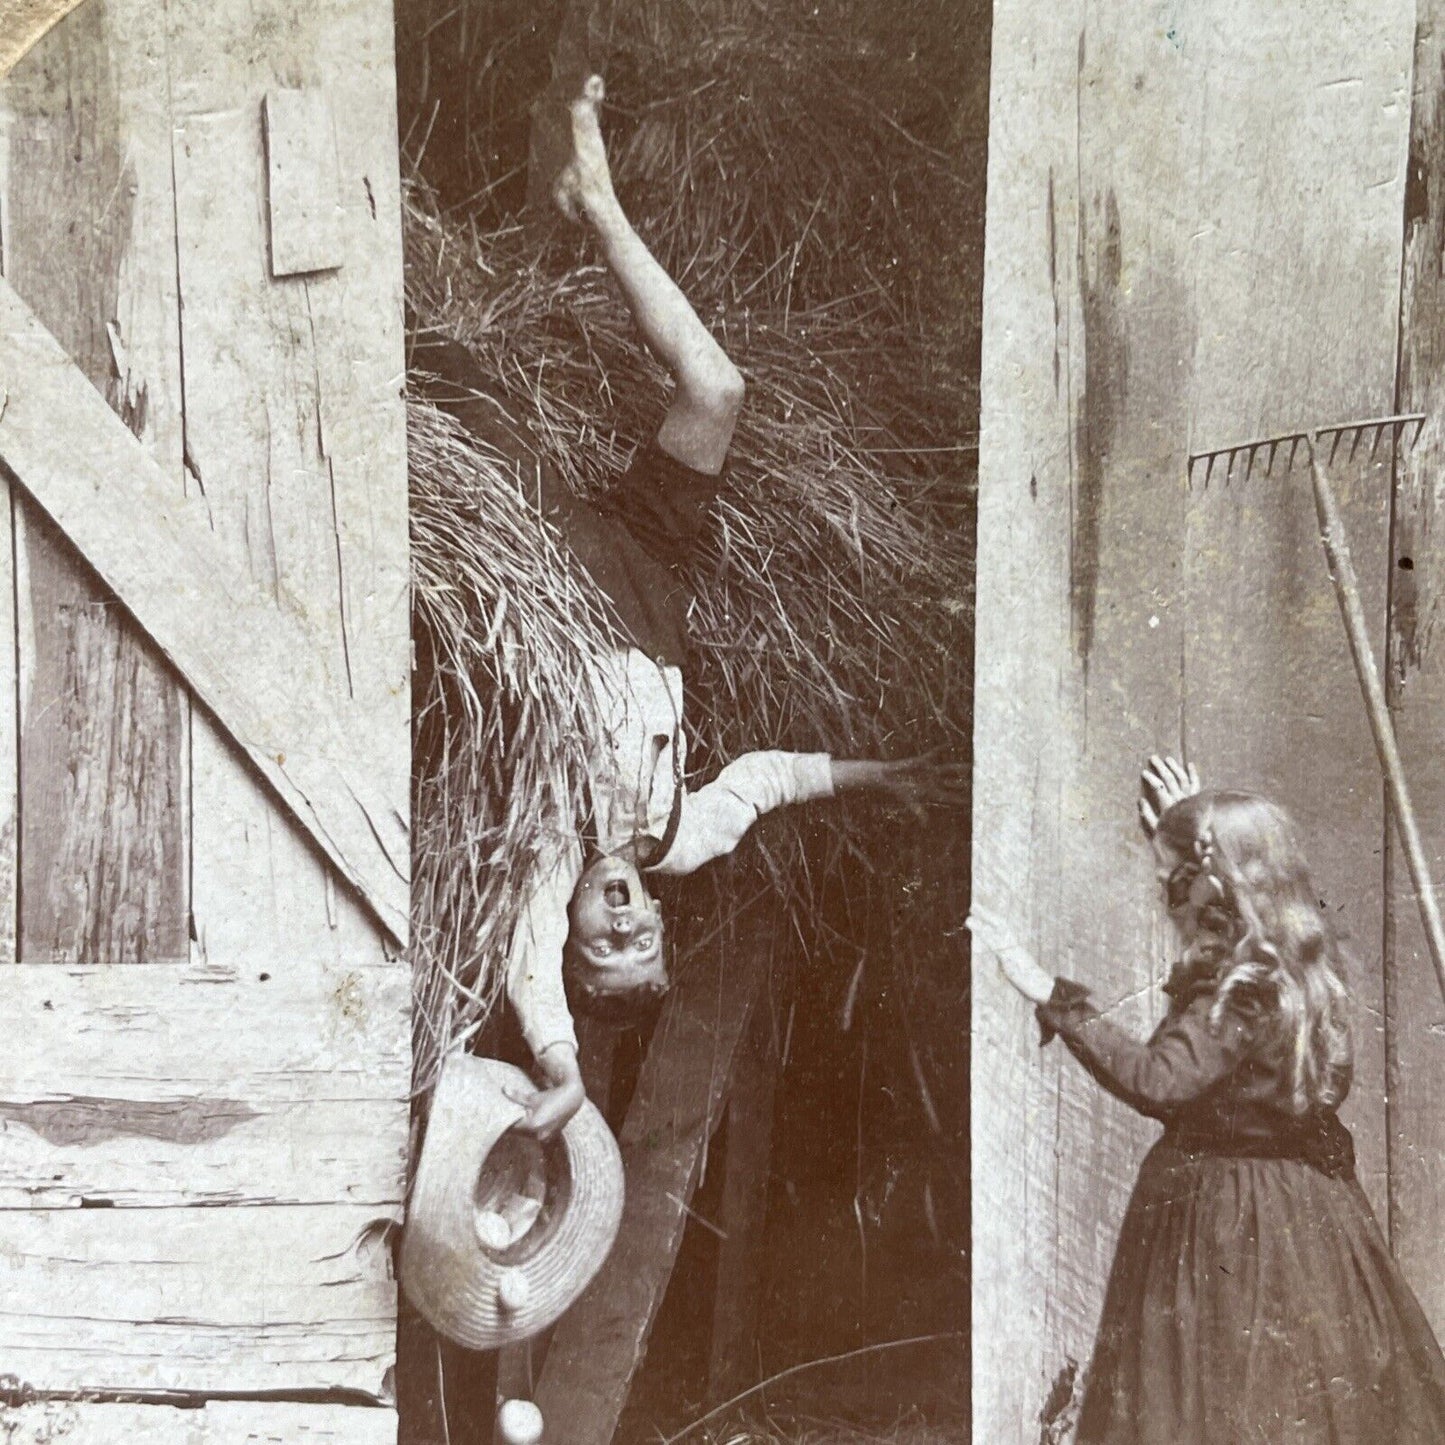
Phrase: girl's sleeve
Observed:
(1186, 1057)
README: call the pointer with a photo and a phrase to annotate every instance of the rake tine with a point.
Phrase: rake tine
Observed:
(1209, 468)
(1269, 465)
(1419, 427)
(1379, 433)
(1294, 442)
(1355, 445)
(1249, 466)
(1335, 445)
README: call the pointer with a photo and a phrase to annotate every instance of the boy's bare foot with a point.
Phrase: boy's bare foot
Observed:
(584, 186)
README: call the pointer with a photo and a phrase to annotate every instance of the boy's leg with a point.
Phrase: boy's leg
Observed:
(699, 424)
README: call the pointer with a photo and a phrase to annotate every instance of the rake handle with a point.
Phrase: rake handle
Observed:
(1347, 592)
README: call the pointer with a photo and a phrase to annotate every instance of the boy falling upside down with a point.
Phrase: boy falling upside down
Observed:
(589, 911)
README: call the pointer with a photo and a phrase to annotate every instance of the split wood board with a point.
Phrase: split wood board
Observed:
(1171, 264)
(254, 1112)
(199, 1301)
(230, 1422)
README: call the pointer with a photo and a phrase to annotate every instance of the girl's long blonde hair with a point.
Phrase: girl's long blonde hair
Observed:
(1280, 952)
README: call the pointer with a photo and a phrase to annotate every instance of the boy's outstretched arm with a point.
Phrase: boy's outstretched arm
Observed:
(698, 427)
(716, 818)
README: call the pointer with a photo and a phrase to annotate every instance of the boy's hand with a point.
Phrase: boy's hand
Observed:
(549, 1110)
(920, 783)
(1163, 783)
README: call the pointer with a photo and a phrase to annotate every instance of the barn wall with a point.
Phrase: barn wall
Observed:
(1194, 229)
(165, 212)
(1416, 683)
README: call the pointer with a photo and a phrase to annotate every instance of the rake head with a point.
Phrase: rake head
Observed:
(1402, 430)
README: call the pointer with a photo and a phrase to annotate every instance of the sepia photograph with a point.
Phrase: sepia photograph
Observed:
(485, 854)
(722, 722)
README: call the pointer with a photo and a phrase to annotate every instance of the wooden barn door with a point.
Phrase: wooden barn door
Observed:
(1194, 232)
(203, 725)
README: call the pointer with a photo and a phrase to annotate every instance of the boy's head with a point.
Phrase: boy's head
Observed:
(614, 961)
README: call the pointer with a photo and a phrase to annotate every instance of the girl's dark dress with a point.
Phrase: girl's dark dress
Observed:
(1252, 1297)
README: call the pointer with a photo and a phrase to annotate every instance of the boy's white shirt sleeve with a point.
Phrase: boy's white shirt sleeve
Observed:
(715, 818)
(534, 965)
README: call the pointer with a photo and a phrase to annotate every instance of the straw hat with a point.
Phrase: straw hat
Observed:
(503, 1233)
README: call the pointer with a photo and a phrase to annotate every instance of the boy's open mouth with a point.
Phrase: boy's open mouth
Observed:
(615, 894)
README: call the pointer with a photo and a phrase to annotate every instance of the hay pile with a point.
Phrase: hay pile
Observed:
(810, 226)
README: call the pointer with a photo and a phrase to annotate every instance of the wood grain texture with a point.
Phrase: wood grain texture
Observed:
(272, 1068)
(742, 1211)
(126, 1089)
(1415, 685)
(1167, 269)
(303, 190)
(89, 243)
(222, 1422)
(1296, 270)
(199, 1300)
(306, 484)
(249, 664)
(598, 1346)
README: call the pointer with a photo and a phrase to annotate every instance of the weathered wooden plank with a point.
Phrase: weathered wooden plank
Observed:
(307, 483)
(222, 1422)
(1144, 180)
(1076, 536)
(198, 1300)
(92, 1151)
(90, 245)
(175, 1085)
(1296, 274)
(335, 1033)
(742, 1213)
(251, 665)
(598, 1346)
(303, 200)
(1415, 683)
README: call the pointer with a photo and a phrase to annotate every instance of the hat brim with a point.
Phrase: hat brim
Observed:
(451, 1277)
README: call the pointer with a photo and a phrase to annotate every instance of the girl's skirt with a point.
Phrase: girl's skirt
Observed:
(1252, 1301)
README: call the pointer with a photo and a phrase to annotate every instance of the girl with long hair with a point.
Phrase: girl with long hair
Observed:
(1252, 1298)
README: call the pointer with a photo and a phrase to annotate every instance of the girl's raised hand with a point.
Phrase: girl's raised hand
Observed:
(1163, 783)
(1015, 962)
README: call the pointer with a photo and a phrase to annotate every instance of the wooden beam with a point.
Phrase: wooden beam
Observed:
(200, 1301)
(743, 1210)
(599, 1344)
(222, 1422)
(1415, 682)
(174, 1085)
(248, 663)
